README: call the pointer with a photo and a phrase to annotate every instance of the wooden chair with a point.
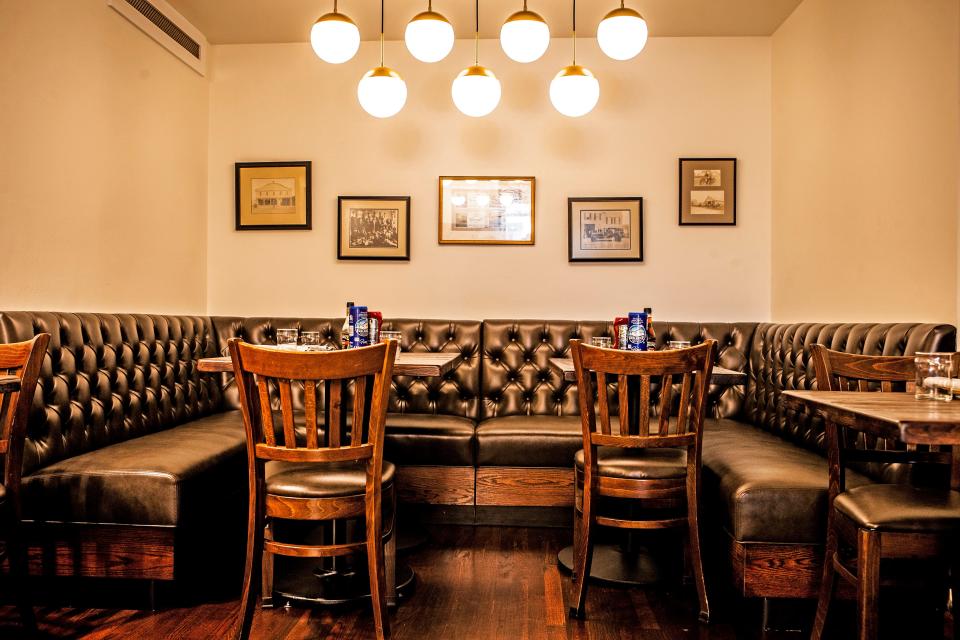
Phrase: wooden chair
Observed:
(306, 479)
(655, 461)
(878, 521)
(22, 361)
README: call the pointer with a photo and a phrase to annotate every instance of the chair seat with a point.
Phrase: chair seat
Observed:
(900, 508)
(638, 464)
(327, 480)
(3, 496)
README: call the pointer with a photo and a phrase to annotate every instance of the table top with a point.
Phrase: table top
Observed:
(9, 384)
(720, 375)
(408, 363)
(888, 415)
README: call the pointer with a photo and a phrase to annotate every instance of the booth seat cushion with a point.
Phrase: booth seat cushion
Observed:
(767, 489)
(163, 478)
(429, 439)
(529, 441)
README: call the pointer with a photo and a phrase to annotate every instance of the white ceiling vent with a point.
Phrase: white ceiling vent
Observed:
(164, 24)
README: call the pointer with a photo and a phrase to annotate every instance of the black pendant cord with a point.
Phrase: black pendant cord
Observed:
(574, 31)
(476, 41)
(381, 33)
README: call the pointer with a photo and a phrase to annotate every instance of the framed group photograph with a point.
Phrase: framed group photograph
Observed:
(708, 191)
(373, 228)
(605, 229)
(487, 210)
(273, 195)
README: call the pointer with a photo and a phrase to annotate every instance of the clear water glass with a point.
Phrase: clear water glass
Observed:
(678, 344)
(603, 342)
(391, 335)
(934, 377)
(310, 340)
(287, 338)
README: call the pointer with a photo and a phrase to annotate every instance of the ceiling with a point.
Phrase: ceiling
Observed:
(260, 21)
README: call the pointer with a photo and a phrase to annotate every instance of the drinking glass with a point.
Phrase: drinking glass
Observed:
(310, 340)
(603, 342)
(391, 335)
(678, 344)
(287, 338)
(934, 373)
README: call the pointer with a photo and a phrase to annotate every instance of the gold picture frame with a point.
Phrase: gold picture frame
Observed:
(273, 195)
(487, 210)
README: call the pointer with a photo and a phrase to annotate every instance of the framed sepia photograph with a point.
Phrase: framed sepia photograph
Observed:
(486, 210)
(373, 228)
(273, 195)
(708, 191)
(605, 229)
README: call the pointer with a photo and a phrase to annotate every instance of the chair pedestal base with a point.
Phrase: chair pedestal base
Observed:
(300, 581)
(612, 564)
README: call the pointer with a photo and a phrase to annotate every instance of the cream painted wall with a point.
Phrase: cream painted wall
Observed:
(103, 164)
(865, 161)
(681, 97)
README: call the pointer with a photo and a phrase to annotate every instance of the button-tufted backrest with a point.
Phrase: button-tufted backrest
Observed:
(780, 361)
(111, 377)
(516, 378)
(455, 393)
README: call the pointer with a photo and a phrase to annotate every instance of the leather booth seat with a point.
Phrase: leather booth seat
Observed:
(528, 441)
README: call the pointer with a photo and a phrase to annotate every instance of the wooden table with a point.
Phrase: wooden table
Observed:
(408, 363)
(9, 384)
(887, 415)
(720, 376)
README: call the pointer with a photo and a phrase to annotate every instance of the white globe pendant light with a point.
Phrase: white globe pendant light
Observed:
(382, 92)
(334, 37)
(476, 90)
(574, 91)
(525, 36)
(429, 36)
(622, 34)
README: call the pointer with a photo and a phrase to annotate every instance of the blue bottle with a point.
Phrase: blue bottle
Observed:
(361, 332)
(637, 331)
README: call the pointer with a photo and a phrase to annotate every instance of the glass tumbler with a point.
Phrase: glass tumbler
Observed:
(678, 344)
(603, 342)
(287, 338)
(391, 335)
(310, 340)
(930, 368)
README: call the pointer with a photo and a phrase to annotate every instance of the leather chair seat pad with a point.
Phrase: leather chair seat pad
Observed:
(322, 480)
(429, 439)
(3, 496)
(162, 478)
(638, 464)
(767, 489)
(900, 508)
(529, 441)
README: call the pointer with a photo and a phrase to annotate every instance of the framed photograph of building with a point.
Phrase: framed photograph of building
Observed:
(708, 191)
(373, 228)
(486, 210)
(273, 195)
(605, 229)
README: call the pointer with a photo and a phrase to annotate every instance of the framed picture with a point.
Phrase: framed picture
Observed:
(605, 229)
(273, 195)
(373, 228)
(708, 191)
(486, 210)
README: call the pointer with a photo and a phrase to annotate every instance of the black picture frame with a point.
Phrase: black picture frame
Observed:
(240, 167)
(403, 229)
(572, 254)
(686, 218)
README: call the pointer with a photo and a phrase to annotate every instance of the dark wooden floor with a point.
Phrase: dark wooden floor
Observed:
(473, 582)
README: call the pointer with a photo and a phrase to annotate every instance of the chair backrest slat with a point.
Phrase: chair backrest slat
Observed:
(260, 367)
(603, 403)
(634, 372)
(266, 412)
(359, 408)
(336, 407)
(23, 360)
(310, 413)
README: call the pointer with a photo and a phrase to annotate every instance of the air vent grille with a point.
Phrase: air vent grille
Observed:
(163, 23)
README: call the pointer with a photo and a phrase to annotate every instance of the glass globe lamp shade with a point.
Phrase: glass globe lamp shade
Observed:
(382, 92)
(335, 38)
(574, 91)
(622, 34)
(476, 91)
(429, 37)
(525, 36)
